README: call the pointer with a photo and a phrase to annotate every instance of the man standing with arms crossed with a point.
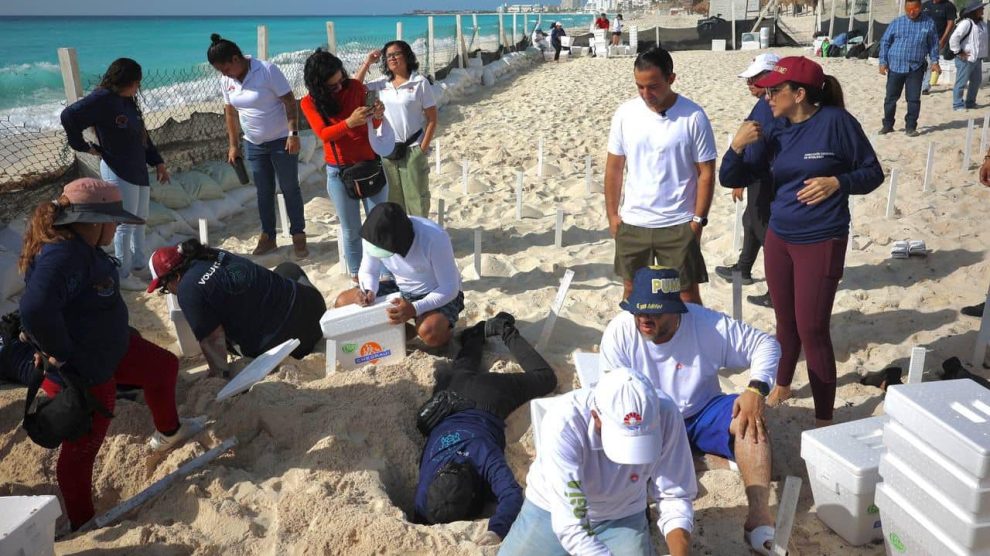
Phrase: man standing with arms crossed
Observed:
(903, 48)
(668, 145)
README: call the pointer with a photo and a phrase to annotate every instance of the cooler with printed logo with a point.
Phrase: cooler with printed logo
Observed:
(363, 336)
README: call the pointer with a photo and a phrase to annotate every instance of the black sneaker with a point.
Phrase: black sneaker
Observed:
(726, 273)
(885, 130)
(496, 325)
(761, 300)
(973, 310)
(912, 132)
(926, 92)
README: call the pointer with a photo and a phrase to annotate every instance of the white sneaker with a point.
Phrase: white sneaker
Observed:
(133, 284)
(187, 429)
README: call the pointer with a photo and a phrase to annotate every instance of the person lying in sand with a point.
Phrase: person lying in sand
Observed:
(680, 347)
(235, 305)
(463, 463)
(418, 254)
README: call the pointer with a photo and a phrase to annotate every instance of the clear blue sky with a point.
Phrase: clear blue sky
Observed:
(234, 7)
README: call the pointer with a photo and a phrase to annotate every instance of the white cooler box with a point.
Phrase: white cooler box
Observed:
(188, 346)
(364, 336)
(842, 468)
(27, 525)
(908, 532)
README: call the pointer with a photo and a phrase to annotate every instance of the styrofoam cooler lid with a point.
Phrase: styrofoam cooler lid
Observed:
(15, 511)
(951, 415)
(856, 446)
(351, 319)
(258, 369)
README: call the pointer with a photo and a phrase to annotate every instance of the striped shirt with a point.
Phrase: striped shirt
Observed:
(906, 43)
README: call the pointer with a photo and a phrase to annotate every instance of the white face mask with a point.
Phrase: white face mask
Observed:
(375, 251)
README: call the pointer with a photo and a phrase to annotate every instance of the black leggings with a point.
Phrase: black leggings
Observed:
(556, 51)
(498, 393)
(304, 316)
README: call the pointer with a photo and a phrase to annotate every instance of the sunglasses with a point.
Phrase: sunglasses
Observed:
(393, 55)
(773, 91)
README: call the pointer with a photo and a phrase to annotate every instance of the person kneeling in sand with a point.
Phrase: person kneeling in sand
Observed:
(418, 253)
(602, 451)
(463, 463)
(236, 306)
(680, 347)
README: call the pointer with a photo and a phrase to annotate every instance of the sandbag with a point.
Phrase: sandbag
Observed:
(307, 146)
(224, 208)
(222, 172)
(243, 195)
(11, 281)
(199, 185)
(158, 214)
(195, 211)
(172, 195)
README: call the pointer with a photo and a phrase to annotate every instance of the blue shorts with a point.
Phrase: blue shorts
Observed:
(708, 429)
(452, 310)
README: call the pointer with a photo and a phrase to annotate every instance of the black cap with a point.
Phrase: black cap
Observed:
(455, 494)
(388, 227)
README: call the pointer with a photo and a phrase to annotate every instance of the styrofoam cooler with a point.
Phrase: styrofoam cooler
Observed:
(538, 408)
(188, 345)
(909, 532)
(364, 336)
(27, 525)
(842, 465)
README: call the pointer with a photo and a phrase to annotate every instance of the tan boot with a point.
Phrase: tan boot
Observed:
(299, 246)
(266, 244)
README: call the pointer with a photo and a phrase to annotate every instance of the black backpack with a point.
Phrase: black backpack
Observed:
(856, 51)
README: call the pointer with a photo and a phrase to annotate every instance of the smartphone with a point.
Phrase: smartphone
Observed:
(370, 98)
(242, 174)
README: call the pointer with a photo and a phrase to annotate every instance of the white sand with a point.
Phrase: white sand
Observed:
(328, 465)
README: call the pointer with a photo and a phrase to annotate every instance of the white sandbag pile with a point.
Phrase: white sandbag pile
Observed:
(462, 82)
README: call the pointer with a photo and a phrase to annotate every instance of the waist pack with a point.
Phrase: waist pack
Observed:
(402, 149)
(66, 417)
(364, 179)
(443, 404)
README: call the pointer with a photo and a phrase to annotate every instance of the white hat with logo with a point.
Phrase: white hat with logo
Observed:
(763, 62)
(629, 409)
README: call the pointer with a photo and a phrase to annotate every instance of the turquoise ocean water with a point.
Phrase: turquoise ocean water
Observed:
(31, 90)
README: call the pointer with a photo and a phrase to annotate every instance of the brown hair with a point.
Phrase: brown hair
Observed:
(829, 95)
(41, 230)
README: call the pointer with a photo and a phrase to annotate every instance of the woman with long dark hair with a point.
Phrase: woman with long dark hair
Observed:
(259, 101)
(818, 156)
(411, 110)
(336, 111)
(125, 151)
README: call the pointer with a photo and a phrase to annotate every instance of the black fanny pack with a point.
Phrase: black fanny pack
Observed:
(68, 416)
(443, 404)
(402, 149)
(364, 179)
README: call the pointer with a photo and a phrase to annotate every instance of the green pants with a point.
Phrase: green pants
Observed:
(409, 182)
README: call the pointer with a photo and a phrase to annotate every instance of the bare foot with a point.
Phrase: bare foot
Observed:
(778, 395)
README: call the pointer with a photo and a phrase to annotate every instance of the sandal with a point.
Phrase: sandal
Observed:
(760, 539)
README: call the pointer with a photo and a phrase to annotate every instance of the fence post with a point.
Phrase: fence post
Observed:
(475, 32)
(831, 21)
(431, 54)
(331, 39)
(732, 5)
(501, 31)
(262, 42)
(526, 31)
(869, 26)
(398, 31)
(515, 42)
(68, 62)
(461, 48)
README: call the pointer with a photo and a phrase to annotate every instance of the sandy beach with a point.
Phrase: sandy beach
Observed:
(328, 465)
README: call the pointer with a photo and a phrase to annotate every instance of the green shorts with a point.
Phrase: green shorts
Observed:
(673, 246)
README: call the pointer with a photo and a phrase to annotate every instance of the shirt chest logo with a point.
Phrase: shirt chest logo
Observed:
(634, 478)
(121, 121)
(821, 155)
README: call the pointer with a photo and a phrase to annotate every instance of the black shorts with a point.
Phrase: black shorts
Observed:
(614, 33)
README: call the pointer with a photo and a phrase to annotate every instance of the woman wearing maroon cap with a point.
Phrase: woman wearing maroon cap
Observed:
(818, 156)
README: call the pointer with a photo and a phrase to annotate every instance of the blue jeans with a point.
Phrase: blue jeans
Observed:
(926, 81)
(128, 240)
(349, 213)
(969, 76)
(267, 161)
(532, 533)
(910, 83)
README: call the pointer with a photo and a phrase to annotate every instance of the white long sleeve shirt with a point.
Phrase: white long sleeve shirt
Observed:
(685, 368)
(428, 269)
(975, 43)
(574, 480)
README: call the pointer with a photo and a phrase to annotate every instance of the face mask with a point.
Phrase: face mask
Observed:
(375, 251)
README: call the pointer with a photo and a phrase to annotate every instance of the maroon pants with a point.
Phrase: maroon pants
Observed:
(146, 365)
(803, 278)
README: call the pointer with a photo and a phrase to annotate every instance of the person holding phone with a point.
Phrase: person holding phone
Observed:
(411, 110)
(337, 109)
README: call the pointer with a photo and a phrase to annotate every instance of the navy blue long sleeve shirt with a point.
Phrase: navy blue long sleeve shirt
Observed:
(830, 143)
(72, 308)
(120, 130)
(756, 152)
(477, 437)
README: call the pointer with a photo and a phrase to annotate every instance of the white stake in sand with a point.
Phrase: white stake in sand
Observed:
(588, 177)
(917, 365)
(983, 135)
(785, 515)
(436, 151)
(331, 357)
(440, 212)
(464, 176)
(342, 267)
(969, 145)
(737, 295)
(477, 252)
(558, 233)
(852, 220)
(928, 167)
(892, 193)
(204, 234)
(519, 189)
(983, 336)
(539, 158)
(558, 304)
(284, 216)
(737, 227)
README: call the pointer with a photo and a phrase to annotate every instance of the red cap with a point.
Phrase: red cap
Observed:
(797, 69)
(162, 262)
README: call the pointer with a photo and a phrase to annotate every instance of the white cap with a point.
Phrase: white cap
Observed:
(762, 63)
(629, 409)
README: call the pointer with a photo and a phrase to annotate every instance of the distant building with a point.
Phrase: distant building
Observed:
(522, 8)
(745, 9)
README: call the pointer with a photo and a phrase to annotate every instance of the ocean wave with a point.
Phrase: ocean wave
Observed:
(26, 68)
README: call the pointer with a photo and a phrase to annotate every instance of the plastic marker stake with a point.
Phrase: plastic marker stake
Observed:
(983, 135)
(558, 233)
(983, 336)
(539, 158)
(587, 175)
(917, 365)
(519, 188)
(969, 145)
(340, 252)
(928, 167)
(331, 357)
(436, 150)
(284, 216)
(464, 176)
(440, 212)
(558, 304)
(892, 193)
(204, 236)
(785, 515)
(737, 295)
(852, 220)
(477, 252)
(737, 228)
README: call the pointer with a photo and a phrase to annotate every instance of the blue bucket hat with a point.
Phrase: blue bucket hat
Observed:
(972, 7)
(656, 290)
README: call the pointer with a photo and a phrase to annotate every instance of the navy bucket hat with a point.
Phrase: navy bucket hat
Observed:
(656, 290)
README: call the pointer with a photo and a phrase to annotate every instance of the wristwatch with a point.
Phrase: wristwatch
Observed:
(293, 133)
(703, 220)
(760, 387)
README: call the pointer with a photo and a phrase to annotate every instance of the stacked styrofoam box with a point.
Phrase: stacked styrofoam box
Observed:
(364, 335)
(27, 525)
(188, 345)
(935, 494)
(842, 468)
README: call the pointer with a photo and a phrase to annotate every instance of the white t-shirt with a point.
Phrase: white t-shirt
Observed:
(685, 369)
(617, 26)
(661, 183)
(257, 101)
(427, 269)
(571, 472)
(404, 105)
